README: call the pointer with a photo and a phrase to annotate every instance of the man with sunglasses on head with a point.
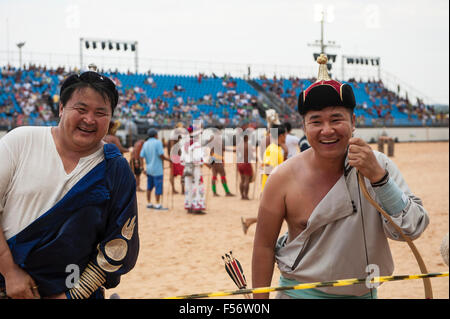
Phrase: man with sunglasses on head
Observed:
(68, 210)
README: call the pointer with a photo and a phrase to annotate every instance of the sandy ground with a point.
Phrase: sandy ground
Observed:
(181, 253)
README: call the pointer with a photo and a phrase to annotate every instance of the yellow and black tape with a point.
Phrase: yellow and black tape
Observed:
(333, 283)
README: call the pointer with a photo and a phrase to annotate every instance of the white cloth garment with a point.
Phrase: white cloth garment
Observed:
(32, 176)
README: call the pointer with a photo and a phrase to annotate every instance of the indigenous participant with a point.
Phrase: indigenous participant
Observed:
(136, 162)
(273, 156)
(67, 200)
(192, 156)
(333, 231)
(176, 168)
(217, 162)
(245, 155)
(111, 137)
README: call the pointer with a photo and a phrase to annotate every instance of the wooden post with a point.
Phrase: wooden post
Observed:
(391, 144)
(381, 145)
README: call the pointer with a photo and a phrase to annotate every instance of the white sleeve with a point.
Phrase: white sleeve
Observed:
(8, 163)
(292, 140)
(414, 219)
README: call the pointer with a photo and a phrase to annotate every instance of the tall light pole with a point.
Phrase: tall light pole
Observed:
(321, 16)
(20, 45)
(321, 43)
(92, 42)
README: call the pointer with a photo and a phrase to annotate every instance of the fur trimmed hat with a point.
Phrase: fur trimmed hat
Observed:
(325, 92)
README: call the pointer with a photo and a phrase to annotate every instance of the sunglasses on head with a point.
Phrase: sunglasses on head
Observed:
(87, 77)
(94, 79)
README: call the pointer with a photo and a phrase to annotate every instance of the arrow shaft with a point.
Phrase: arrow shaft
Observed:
(334, 283)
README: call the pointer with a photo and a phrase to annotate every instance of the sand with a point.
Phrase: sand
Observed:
(181, 253)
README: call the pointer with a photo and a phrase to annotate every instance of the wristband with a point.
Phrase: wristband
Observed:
(391, 197)
(382, 181)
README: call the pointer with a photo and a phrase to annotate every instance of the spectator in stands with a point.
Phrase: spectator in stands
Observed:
(178, 88)
(200, 78)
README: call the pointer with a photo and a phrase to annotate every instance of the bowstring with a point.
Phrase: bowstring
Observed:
(363, 229)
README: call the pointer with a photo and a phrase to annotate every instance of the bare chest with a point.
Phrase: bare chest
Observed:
(302, 200)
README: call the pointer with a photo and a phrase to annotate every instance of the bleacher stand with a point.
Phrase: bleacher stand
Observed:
(30, 97)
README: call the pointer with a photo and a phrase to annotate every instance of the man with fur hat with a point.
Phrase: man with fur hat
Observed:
(333, 231)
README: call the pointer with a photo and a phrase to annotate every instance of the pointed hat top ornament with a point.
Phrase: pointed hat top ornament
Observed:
(325, 92)
(92, 67)
(323, 71)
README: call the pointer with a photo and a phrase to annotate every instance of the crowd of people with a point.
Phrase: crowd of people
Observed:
(378, 108)
(29, 96)
(383, 102)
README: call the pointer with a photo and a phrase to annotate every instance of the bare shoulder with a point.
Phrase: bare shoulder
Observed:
(285, 176)
(292, 167)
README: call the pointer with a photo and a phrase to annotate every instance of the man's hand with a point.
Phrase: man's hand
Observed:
(361, 157)
(20, 285)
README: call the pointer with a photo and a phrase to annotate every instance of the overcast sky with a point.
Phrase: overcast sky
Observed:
(410, 36)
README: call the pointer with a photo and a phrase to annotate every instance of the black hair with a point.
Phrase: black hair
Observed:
(152, 132)
(277, 130)
(100, 83)
(288, 126)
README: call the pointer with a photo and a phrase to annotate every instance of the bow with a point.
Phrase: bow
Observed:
(420, 262)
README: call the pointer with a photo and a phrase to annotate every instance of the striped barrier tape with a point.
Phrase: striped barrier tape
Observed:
(333, 283)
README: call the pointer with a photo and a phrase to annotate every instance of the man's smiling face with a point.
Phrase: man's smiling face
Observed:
(85, 120)
(329, 130)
